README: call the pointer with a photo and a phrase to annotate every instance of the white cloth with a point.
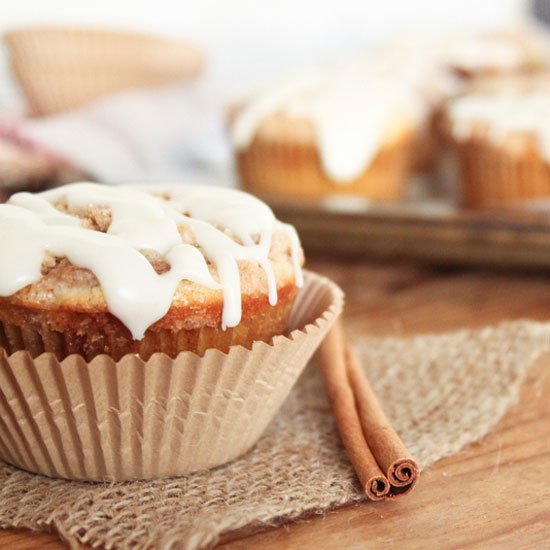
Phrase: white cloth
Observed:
(140, 136)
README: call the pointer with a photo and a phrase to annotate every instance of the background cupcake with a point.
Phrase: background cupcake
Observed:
(500, 141)
(345, 131)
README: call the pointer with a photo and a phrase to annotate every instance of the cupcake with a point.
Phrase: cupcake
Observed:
(500, 142)
(199, 281)
(342, 131)
(102, 270)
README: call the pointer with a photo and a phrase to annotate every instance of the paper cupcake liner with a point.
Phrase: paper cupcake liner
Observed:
(289, 169)
(490, 175)
(60, 69)
(107, 420)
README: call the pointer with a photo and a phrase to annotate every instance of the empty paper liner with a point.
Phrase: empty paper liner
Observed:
(107, 420)
(62, 68)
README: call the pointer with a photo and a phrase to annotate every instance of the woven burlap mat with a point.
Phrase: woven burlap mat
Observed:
(441, 392)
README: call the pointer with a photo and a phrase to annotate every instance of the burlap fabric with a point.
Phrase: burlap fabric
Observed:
(441, 392)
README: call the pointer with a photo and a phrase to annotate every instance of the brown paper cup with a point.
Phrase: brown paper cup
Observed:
(61, 68)
(131, 419)
(492, 175)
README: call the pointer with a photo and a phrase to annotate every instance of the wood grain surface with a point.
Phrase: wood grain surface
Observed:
(494, 494)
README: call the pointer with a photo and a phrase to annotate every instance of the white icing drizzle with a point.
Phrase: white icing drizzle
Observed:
(351, 108)
(505, 112)
(142, 218)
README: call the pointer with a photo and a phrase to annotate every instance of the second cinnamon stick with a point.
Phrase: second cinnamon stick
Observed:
(391, 454)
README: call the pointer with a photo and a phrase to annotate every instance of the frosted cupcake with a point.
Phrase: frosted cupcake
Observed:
(336, 132)
(91, 269)
(500, 141)
(111, 275)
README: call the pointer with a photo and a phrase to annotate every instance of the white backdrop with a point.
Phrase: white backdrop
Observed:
(249, 41)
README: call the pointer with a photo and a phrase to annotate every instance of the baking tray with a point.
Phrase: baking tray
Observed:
(429, 230)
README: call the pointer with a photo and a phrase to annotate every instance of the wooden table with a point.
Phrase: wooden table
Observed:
(494, 494)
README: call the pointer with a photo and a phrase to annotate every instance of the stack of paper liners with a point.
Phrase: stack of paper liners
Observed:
(61, 68)
(161, 418)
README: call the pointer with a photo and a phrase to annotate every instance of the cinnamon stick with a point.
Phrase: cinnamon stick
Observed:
(332, 362)
(391, 454)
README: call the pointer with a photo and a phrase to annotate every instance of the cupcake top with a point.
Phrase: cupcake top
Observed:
(501, 114)
(350, 113)
(138, 251)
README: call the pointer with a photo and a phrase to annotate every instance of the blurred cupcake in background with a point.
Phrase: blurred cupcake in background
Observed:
(341, 131)
(500, 140)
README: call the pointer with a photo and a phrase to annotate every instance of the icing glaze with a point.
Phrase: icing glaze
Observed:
(505, 112)
(143, 218)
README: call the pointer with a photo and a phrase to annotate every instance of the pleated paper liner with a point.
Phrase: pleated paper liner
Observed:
(493, 175)
(131, 419)
(62, 68)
